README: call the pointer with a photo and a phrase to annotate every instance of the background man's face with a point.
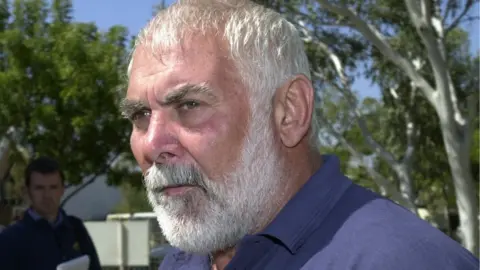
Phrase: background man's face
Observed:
(45, 192)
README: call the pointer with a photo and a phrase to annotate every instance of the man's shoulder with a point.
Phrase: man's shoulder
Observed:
(13, 233)
(369, 214)
(17, 227)
(397, 252)
(76, 224)
(383, 235)
(74, 220)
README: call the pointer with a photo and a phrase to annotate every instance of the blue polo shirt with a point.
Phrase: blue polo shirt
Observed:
(332, 223)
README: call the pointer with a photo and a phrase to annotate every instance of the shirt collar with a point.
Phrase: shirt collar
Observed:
(310, 206)
(36, 217)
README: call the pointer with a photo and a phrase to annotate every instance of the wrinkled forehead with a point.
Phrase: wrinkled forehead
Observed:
(194, 50)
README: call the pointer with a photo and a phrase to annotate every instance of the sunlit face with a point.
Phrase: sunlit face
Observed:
(45, 192)
(188, 108)
(209, 166)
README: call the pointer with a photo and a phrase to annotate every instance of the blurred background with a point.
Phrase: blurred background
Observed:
(381, 107)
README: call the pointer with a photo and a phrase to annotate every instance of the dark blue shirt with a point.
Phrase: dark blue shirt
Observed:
(34, 243)
(332, 223)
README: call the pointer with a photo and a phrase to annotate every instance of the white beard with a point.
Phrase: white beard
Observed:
(238, 204)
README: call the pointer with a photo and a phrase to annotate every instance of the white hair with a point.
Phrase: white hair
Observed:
(266, 49)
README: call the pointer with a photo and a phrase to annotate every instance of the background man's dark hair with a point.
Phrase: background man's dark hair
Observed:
(43, 165)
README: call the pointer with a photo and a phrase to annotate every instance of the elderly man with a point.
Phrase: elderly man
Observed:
(222, 107)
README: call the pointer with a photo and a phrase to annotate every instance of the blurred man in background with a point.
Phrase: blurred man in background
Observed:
(46, 236)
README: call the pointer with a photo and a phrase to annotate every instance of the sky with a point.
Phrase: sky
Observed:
(135, 14)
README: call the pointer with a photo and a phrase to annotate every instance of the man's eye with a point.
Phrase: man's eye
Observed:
(139, 115)
(188, 105)
(140, 119)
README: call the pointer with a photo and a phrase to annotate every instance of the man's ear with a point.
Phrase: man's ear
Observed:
(293, 107)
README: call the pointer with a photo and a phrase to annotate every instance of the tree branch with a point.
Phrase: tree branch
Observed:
(459, 18)
(402, 169)
(412, 132)
(22, 151)
(345, 89)
(472, 113)
(302, 16)
(374, 36)
(448, 8)
(386, 187)
(431, 32)
(90, 180)
(4, 159)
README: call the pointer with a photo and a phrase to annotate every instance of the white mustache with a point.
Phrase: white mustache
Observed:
(159, 177)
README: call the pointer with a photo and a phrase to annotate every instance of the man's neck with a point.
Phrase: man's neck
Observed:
(304, 168)
(219, 260)
(51, 218)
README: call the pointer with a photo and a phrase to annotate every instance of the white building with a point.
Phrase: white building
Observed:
(94, 202)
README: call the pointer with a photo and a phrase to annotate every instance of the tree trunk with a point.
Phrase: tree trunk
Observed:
(406, 186)
(4, 162)
(4, 166)
(459, 161)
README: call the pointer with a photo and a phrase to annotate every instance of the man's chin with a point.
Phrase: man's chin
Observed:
(180, 208)
(190, 235)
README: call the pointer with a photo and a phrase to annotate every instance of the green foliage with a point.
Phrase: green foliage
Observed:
(60, 83)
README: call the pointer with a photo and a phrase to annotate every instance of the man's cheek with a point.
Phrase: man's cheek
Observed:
(137, 153)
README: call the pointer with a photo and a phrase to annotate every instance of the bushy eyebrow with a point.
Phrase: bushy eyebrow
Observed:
(179, 93)
(130, 106)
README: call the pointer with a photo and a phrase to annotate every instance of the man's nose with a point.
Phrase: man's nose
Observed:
(160, 144)
(47, 196)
